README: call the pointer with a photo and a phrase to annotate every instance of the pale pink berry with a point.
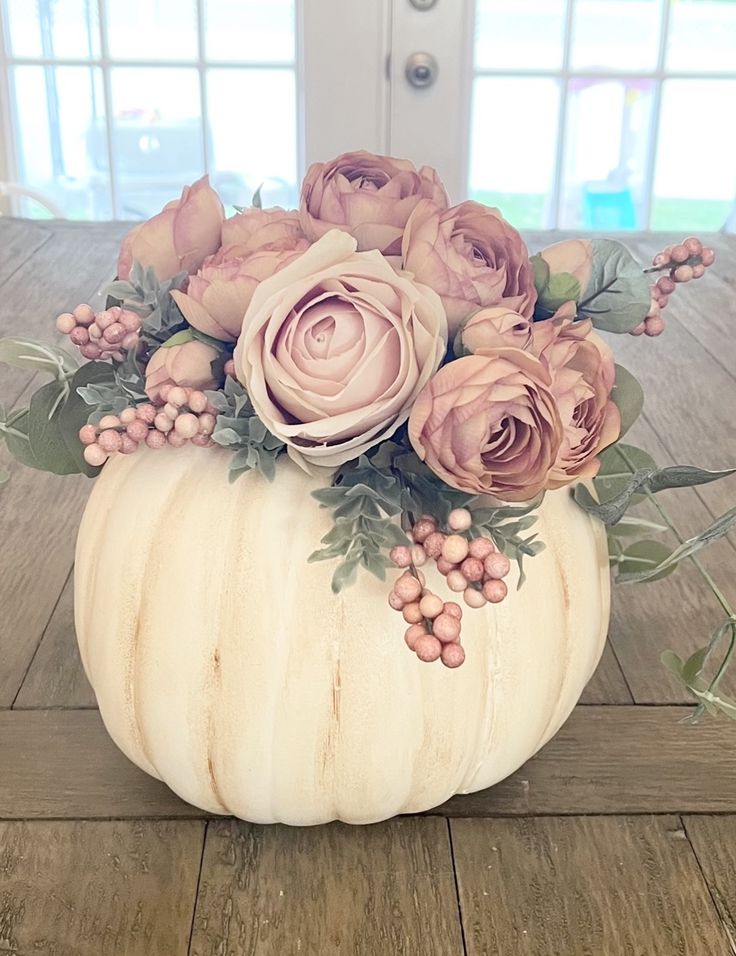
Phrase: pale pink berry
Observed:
(666, 285)
(127, 445)
(693, 245)
(473, 597)
(114, 334)
(453, 609)
(146, 413)
(130, 341)
(460, 519)
(453, 655)
(683, 273)
(207, 423)
(638, 329)
(456, 581)
(431, 606)
(472, 569)
(229, 368)
(91, 351)
(433, 544)
(164, 392)
(129, 320)
(79, 335)
(708, 256)
(395, 601)
(481, 548)
(413, 633)
(400, 556)
(428, 648)
(177, 396)
(202, 441)
(698, 270)
(170, 411)
(84, 314)
(94, 332)
(679, 253)
(446, 628)
(94, 455)
(660, 259)
(163, 423)
(497, 565)
(137, 430)
(155, 439)
(109, 441)
(444, 567)
(663, 300)
(127, 416)
(422, 529)
(66, 323)
(88, 434)
(176, 440)
(654, 326)
(494, 590)
(412, 614)
(408, 588)
(418, 555)
(455, 548)
(109, 421)
(197, 401)
(187, 425)
(104, 319)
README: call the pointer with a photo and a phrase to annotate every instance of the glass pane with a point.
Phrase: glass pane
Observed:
(696, 155)
(250, 31)
(607, 145)
(513, 146)
(59, 110)
(54, 28)
(157, 136)
(152, 29)
(255, 149)
(702, 35)
(512, 34)
(615, 34)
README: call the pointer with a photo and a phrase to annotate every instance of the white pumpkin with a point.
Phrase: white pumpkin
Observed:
(224, 665)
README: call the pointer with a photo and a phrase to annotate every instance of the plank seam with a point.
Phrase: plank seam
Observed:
(448, 822)
(726, 930)
(205, 832)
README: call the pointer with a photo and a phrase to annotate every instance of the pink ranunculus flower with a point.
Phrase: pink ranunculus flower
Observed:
(489, 424)
(472, 257)
(369, 196)
(179, 238)
(583, 374)
(335, 348)
(496, 327)
(256, 229)
(188, 365)
(219, 294)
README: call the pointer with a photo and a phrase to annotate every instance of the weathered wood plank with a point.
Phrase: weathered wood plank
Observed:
(19, 239)
(714, 841)
(583, 886)
(56, 676)
(268, 891)
(608, 684)
(98, 889)
(624, 759)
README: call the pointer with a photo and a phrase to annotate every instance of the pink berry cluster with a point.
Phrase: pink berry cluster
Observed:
(183, 415)
(685, 261)
(101, 335)
(473, 566)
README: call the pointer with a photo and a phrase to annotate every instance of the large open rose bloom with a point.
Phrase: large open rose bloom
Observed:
(179, 238)
(335, 348)
(583, 373)
(472, 257)
(261, 243)
(489, 424)
(369, 196)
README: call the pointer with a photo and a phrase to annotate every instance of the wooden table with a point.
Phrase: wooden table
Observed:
(618, 838)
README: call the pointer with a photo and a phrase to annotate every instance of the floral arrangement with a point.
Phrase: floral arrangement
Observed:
(411, 352)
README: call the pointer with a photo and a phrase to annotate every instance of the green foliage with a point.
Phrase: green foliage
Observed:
(144, 294)
(628, 397)
(241, 430)
(553, 289)
(37, 357)
(617, 297)
(693, 673)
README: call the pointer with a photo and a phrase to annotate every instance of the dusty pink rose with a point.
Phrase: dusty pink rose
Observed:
(218, 295)
(335, 348)
(179, 238)
(472, 257)
(256, 229)
(489, 424)
(496, 327)
(188, 365)
(583, 373)
(571, 256)
(369, 196)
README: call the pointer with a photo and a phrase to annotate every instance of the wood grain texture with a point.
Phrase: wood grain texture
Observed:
(98, 889)
(19, 240)
(591, 886)
(713, 840)
(604, 760)
(363, 891)
(608, 684)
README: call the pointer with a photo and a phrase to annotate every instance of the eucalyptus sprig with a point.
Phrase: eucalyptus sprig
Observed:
(143, 293)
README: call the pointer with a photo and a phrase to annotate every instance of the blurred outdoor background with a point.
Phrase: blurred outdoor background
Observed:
(586, 114)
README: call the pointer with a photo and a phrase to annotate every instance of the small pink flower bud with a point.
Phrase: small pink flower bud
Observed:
(163, 423)
(109, 441)
(146, 413)
(128, 415)
(494, 590)
(187, 425)
(127, 445)
(472, 569)
(431, 605)
(155, 439)
(418, 555)
(473, 597)
(400, 556)
(446, 628)
(481, 548)
(455, 549)
(84, 314)
(137, 430)
(94, 455)
(412, 614)
(413, 633)
(395, 601)
(197, 401)
(456, 581)
(66, 323)
(460, 519)
(454, 610)
(109, 421)
(497, 565)
(408, 589)
(453, 655)
(422, 529)
(428, 648)
(88, 434)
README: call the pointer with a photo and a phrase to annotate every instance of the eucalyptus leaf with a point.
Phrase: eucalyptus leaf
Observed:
(611, 511)
(37, 357)
(76, 412)
(685, 476)
(647, 558)
(628, 396)
(18, 443)
(631, 525)
(615, 472)
(617, 297)
(693, 666)
(44, 432)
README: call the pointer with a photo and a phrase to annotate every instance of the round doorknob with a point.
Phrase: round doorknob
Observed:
(421, 69)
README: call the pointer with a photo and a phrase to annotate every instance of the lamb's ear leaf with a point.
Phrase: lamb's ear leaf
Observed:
(617, 297)
(628, 396)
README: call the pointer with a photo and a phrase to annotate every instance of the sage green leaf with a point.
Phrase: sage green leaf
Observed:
(631, 525)
(75, 412)
(673, 662)
(685, 476)
(645, 560)
(257, 202)
(17, 441)
(615, 473)
(617, 297)
(693, 666)
(180, 338)
(628, 396)
(345, 574)
(611, 511)
(37, 356)
(44, 431)
(562, 287)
